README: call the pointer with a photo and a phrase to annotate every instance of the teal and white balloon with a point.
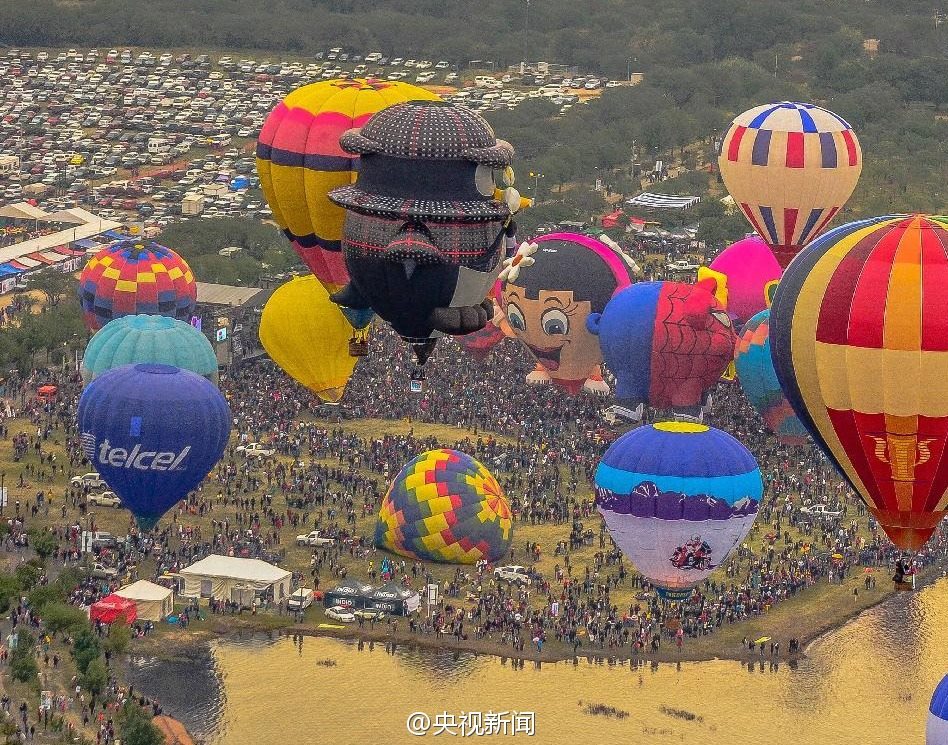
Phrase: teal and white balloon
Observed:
(153, 339)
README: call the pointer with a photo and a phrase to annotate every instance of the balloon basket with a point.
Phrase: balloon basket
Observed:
(358, 347)
(417, 382)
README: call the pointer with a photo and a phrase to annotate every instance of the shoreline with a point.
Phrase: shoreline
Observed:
(716, 646)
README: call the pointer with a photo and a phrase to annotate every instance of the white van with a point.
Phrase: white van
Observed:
(300, 600)
(486, 81)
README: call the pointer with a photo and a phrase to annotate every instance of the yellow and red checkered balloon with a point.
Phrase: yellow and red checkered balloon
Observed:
(445, 506)
(132, 278)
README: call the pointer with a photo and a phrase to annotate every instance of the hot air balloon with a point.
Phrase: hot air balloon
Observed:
(749, 266)
(131, 339)
(153, 432)
(755, 371)
(860, 345)
(667, 343)
(425, 232)
(677, 497)
(790, 167)
(299, 161)
(131, 278)
(445, 506)
(936, 731)
(305, 333)
(548, 291)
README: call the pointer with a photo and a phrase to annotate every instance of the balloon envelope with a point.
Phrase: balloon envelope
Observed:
(755, 371)
(677, 498)
(667, 343)
(860, 346)
(936, 732)
(790, 167)
(307, 335)
(299, 161)
(153, 432)
(141, 338)
(547, 301)
(132, 277)
(445, 506)
(749, 266)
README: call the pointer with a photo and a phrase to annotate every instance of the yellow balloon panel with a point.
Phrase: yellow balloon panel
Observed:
(307, 335)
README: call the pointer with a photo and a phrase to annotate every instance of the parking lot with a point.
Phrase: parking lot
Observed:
(151, 137)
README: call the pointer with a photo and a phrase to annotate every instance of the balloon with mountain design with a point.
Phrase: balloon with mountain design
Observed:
(677, 498)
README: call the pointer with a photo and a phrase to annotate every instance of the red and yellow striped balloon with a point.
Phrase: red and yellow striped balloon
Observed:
(790, 167)
(299, 162)
(859, 340)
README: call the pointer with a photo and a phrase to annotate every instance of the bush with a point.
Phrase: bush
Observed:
(43, 542)
(85, 649)
(119, 637)
(136, 728)
(96, 677)
(61, 617)
(23, 668)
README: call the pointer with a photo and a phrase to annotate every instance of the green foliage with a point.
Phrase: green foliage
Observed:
(54, 285)
(23, 665)
(56, 329)
(85, 649)
(135, 727)
(27, 575)
(119, 637)
(96, 676)
(59, 617)
(43, 542)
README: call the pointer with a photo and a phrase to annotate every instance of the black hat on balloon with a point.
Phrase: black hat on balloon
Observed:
(425, 221)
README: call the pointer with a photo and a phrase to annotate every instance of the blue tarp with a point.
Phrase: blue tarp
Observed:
(6, 270)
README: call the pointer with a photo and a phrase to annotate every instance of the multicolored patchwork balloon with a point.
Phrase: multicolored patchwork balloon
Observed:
(677, 498)
(131, 278)
(790, 167)
(445, 506)
(299, 161)
(859, 340)
(755, 371)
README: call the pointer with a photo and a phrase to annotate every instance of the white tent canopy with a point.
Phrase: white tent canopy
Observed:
(225, 577)
(663, 201)
(152, 602)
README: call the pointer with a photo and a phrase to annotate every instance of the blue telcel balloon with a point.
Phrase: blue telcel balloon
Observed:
(153, 432)
(936, 733)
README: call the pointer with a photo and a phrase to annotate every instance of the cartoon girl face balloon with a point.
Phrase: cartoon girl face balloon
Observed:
(549, 289)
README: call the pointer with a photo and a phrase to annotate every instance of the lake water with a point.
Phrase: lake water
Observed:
(867, 684)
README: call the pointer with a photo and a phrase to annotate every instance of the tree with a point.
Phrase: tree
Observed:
(23, 665)
(43, 542)
(119, 637)
(61, 617)
(54, 285)
(85, 649)
(136, 728)
(96, 676)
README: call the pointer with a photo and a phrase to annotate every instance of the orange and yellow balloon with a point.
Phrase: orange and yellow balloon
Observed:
(859, 341)
(299, 162)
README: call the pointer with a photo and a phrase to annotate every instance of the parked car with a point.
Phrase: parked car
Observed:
(511, 573)
(102, 571)
(90, 480)
(314, 538)
(338, 613)
(103, 540)
(820, 510)
(254, 450)
(369, 614)
(105, 499)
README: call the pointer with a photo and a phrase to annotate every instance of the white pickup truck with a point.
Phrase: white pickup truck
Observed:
(314, 539)
(255, 450)
(820, 510)
(103, 572)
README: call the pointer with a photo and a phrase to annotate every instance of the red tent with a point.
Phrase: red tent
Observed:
(612, 219)
(111, 608)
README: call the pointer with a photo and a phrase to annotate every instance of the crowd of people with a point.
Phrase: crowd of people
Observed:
(552, 442)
